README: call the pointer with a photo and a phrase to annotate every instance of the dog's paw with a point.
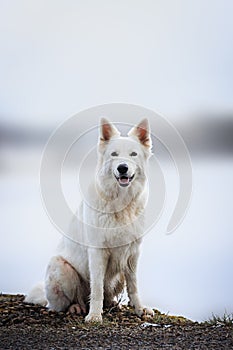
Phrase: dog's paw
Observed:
(77, 309)
(93, 318)
(144, 312)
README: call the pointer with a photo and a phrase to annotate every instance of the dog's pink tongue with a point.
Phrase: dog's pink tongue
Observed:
(124, 180)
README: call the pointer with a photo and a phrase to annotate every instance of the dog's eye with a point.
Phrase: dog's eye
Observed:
(114, 154)
(133, 154)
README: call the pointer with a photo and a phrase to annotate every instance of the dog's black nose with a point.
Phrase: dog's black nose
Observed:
(122, 168)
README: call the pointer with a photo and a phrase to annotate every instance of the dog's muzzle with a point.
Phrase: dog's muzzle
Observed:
(123, 177)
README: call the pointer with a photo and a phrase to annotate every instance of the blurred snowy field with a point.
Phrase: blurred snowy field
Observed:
(188, 272)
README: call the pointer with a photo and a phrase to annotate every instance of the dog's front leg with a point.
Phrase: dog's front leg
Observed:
(97, 268)
(132, 289)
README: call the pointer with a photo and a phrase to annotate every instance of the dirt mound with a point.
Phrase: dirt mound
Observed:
(26, 326)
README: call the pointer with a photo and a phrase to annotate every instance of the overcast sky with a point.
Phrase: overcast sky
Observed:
(58, 57)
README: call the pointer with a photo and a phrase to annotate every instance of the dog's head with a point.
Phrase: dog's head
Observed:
(122, 160)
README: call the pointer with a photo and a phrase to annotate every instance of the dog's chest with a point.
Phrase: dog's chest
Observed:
(115, 234)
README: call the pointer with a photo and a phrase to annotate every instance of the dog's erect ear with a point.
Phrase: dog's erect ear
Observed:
(107, 130)
(142, 133)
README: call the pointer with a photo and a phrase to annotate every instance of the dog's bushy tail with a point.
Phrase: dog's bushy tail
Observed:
(37, 295)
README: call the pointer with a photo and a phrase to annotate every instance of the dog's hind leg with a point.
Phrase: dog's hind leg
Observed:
(64, 288)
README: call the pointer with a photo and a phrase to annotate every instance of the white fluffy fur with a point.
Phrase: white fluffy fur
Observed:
(108, 228)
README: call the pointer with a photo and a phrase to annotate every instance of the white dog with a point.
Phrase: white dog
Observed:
(100, 255)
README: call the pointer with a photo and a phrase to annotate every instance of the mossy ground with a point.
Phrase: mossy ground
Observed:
(14, 310)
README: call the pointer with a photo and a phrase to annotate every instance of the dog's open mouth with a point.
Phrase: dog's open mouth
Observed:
(124, 180)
